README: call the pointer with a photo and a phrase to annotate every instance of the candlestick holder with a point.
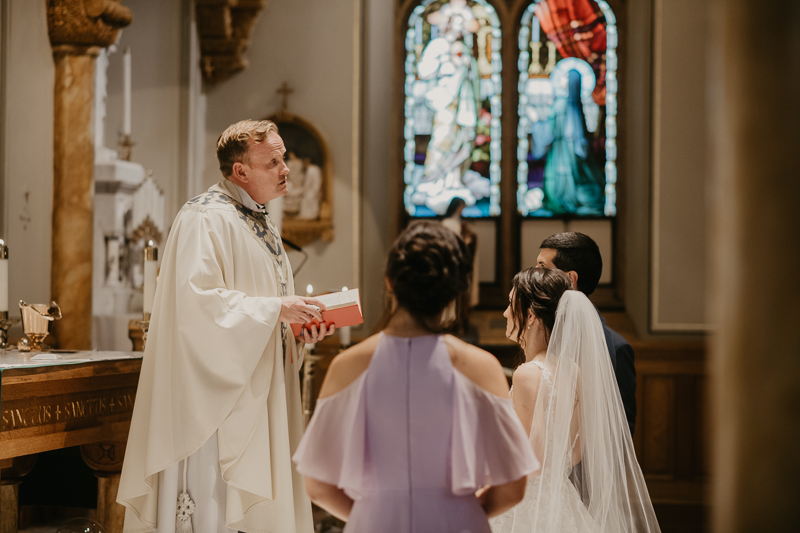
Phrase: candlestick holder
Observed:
(5, 323)
(144, 325)
(36, 320)
(125, 147)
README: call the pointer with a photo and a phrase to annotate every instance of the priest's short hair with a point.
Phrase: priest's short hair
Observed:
(233, 144)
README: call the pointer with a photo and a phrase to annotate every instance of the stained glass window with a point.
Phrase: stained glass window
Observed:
(567, 149)
(452, 108)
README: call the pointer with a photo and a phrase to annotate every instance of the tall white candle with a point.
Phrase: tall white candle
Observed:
(344, 331)
(150, 269)
(3, 276)
(126, 88)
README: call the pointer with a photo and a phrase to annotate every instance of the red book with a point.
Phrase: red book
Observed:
(343, 309)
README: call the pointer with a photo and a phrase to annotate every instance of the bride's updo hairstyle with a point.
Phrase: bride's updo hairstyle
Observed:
(537, 289)
(428, 267)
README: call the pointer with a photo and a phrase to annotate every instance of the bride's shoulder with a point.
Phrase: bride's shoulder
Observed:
(527, 376)
(479, 366)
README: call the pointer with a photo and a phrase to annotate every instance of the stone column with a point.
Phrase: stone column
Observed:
(11, 474)
(754, 97)
(77, 29)
(105, 460)
(73, 194)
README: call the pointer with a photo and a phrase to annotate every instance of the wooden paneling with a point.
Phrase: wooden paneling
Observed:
(657, 404)
(672, 420)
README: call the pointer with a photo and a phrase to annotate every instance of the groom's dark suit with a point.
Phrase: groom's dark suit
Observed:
(622, 361)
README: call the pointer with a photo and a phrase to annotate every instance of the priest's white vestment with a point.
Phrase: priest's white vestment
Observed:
(219, 363)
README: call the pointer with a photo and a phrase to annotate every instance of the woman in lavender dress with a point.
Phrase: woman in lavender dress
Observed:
(411, 423)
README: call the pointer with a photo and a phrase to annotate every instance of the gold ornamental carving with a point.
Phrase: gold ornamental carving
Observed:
(224, 28)
(146, 231)
(85, 23)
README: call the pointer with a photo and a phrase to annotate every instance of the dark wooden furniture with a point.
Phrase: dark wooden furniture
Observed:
(61, 405)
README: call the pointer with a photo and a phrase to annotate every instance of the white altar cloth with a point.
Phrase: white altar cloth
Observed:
(16, 359)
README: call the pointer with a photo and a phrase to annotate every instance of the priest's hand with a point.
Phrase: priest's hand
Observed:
(312, 335)
(300, 309)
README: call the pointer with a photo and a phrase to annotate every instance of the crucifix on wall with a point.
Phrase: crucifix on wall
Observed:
(285, 91)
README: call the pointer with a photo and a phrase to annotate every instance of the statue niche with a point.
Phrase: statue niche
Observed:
(307, 207)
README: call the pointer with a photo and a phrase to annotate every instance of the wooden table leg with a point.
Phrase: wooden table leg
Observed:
(9, 508)
(11, 474)
(105, 460)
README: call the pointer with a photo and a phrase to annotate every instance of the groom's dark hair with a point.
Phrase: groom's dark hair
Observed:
(578, 252)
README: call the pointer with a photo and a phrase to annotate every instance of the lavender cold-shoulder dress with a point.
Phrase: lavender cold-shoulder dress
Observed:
(412, 439)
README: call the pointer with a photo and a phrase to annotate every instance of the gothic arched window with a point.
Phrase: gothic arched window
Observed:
(452, 108)
(567, 149)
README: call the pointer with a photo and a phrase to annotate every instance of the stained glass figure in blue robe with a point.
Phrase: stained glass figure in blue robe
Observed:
(573, 179)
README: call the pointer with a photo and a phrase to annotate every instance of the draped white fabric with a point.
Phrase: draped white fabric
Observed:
(579, 420)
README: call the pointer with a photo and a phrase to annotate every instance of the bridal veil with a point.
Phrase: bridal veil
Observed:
(590, 479)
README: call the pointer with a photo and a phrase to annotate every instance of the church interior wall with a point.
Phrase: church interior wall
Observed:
(27, 137)
(666, 156)
(680, 166)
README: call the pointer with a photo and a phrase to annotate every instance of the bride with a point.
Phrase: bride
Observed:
(567, 398)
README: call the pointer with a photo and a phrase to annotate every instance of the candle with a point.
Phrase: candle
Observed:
(344, 332)
(126, 87)
(309, 292)
(3, 276)
(150, 269)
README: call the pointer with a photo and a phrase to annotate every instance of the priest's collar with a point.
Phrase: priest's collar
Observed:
(248, 202)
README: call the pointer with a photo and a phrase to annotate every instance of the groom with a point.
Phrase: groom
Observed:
(578, 255)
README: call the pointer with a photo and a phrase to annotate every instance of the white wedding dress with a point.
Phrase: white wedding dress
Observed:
(572, 517)
(578, 405)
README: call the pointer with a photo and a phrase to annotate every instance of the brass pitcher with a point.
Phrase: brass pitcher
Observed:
(36, 320)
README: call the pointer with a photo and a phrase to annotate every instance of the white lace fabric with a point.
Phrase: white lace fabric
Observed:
(580, 406)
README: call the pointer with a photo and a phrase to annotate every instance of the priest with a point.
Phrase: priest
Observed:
(218, 412)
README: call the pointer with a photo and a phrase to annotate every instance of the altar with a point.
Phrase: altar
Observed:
(63, 399)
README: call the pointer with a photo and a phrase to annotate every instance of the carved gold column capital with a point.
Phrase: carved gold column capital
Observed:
(84, 24)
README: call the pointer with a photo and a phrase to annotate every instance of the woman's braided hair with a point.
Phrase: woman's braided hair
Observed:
(428, 267)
